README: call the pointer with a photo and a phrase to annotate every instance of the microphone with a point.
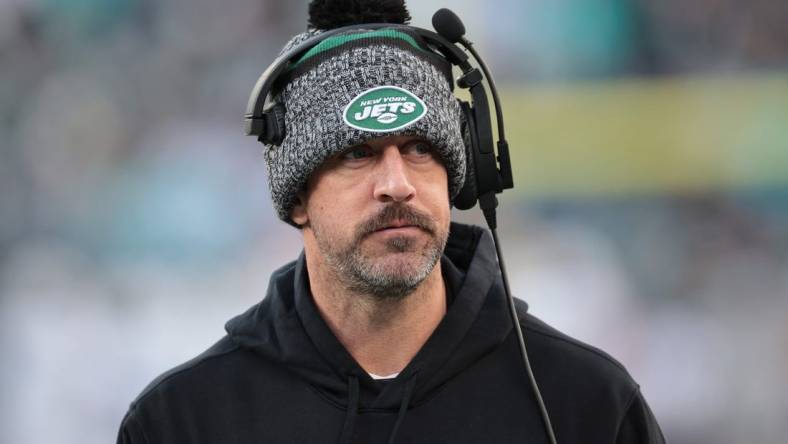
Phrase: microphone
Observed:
(448, 25)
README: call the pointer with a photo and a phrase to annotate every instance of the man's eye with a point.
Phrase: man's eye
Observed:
(419, 148)
(356, 153)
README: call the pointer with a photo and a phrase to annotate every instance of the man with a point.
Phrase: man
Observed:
(392, 326)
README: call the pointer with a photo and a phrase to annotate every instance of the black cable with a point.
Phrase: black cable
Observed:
(521, 340)
(450, 26)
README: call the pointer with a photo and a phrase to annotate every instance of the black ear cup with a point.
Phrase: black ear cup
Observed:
(468, 195)
(274, 129)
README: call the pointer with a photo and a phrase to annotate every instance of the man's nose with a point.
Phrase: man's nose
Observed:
(391, 177)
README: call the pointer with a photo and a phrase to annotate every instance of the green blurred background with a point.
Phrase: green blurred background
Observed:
(651, 136)
(650, 215)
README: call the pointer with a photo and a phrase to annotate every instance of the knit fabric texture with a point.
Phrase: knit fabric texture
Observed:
(326, 81)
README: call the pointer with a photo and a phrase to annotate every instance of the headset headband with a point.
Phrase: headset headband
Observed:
(254, 122)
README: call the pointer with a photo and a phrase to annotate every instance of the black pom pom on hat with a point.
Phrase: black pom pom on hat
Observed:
(330, 14)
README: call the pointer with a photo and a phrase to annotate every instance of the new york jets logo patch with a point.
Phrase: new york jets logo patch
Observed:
(384, 108)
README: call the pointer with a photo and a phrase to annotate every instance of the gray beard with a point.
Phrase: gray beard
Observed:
(363, 275)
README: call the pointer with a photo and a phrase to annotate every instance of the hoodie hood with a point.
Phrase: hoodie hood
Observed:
(287, 328)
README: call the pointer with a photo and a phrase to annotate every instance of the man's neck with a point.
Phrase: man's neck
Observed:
(383, 335)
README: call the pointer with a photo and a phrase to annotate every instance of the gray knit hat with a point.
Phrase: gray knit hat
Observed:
(358, 86)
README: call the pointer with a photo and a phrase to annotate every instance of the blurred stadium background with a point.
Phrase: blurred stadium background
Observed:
(650, 218)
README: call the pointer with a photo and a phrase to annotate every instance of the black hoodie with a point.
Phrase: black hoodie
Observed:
(281, 376)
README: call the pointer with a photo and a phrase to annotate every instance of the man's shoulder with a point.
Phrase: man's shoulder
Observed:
(558, 353)
(201, 366)
(199, 398)
(159, 401)
(604, 400)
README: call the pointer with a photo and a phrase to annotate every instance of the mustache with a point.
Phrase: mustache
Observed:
(397, 212)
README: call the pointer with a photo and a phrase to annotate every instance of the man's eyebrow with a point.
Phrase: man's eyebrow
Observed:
(419, 139)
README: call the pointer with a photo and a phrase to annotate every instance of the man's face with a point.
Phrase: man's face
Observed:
(378, 214)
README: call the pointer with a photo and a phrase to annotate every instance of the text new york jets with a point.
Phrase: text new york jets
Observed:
(384, 108)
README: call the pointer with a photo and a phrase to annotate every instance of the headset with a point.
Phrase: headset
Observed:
(486, 174)
(483, 176)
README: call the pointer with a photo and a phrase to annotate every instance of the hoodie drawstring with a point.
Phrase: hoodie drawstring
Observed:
(403, 408)
(352, 410)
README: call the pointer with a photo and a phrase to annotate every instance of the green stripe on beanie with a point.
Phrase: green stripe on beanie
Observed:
(333, 42)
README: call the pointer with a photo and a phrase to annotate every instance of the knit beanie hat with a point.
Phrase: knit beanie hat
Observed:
(358, 86)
